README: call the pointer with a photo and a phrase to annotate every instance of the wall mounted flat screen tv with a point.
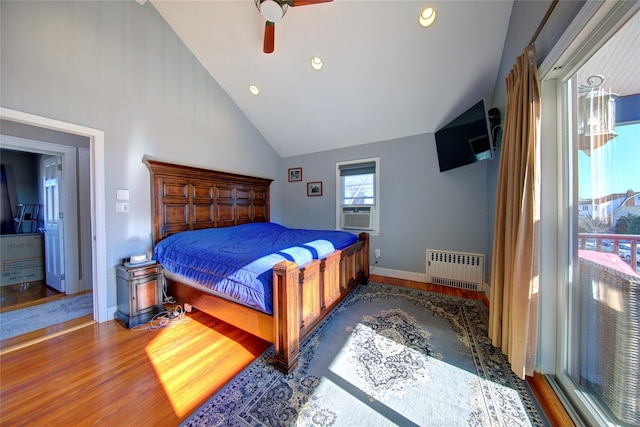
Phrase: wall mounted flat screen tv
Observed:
(465, 140)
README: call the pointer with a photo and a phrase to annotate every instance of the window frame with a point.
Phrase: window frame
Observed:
(376, 205)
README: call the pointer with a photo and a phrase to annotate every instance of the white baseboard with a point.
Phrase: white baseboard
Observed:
(399, 274)
(111, 311)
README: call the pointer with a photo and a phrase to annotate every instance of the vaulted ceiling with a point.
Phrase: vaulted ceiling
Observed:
(384, 76)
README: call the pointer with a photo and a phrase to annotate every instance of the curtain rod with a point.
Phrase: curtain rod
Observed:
(544, 21)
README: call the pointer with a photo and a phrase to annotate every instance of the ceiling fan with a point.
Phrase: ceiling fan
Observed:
(273, 11)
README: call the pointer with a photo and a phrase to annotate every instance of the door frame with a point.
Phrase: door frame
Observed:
(98, 211)
(68, 204)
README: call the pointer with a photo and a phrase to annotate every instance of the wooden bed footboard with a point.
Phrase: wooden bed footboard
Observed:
(303, 297)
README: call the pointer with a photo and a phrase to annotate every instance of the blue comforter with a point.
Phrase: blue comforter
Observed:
(238, 261)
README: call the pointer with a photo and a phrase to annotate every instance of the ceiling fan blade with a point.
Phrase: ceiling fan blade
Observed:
(295, 3)
(269, 37)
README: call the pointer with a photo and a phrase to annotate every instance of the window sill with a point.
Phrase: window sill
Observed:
(356, 232)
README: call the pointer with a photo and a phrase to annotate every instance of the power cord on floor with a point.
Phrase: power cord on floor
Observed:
(165, 318)
(168, 299)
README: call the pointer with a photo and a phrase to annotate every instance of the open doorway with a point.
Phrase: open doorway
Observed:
(47, 191)
(22, 239)
(46, 251)
(97, 232)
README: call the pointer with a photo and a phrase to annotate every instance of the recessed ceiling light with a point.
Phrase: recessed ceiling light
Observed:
(427, 16)
(316, 62)
(254, 90)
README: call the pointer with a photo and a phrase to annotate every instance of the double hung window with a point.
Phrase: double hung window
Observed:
(357, 195)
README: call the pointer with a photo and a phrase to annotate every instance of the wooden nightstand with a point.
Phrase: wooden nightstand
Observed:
(139, 293)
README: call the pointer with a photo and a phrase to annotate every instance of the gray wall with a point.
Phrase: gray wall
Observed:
(118, 67)
(420, 207)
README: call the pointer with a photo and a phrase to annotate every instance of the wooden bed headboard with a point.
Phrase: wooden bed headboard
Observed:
(187, 198)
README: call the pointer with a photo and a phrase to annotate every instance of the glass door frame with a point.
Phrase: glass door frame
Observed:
(592, 27)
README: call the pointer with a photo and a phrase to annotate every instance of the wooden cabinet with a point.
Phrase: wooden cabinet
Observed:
(139, 293)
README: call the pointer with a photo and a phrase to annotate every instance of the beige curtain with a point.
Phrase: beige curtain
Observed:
(514, 275)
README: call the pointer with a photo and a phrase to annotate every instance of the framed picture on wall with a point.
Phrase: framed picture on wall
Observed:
(314, 188)
(295, 174)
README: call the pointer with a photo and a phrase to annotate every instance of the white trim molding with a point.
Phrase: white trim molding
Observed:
(98, 211)
(399, 274)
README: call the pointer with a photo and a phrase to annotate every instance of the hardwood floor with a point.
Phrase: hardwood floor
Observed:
(11, 344)
(21, 295)
(104, 374)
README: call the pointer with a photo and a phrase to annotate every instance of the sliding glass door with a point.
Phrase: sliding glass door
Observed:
(604, 299)
(597, 364)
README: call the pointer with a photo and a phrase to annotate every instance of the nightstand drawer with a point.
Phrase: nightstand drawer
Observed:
(129, 273)
(139, 272)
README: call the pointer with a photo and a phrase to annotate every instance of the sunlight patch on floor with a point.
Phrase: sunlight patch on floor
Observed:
(185, 375)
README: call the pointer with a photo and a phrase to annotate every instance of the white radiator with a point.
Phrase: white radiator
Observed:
(457, 269)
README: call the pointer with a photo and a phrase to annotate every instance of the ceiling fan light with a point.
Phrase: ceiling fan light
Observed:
(316, 63)
(427, 16)
(254, 90)
(271, 10)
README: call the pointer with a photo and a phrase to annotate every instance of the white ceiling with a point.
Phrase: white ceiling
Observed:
(384, 76)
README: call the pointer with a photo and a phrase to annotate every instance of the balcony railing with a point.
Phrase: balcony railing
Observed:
(624, 245)
(609, 293)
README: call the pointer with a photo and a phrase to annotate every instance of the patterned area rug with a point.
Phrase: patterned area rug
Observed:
(21, 321)
(387, 356)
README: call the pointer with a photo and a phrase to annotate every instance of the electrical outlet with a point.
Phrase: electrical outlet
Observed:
(377, 253)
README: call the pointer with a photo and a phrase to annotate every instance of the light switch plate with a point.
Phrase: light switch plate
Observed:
(122, 194)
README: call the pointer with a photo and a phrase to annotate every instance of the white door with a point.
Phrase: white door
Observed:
(53, 232)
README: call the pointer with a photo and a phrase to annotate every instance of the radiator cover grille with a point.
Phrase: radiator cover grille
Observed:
(461, 270)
